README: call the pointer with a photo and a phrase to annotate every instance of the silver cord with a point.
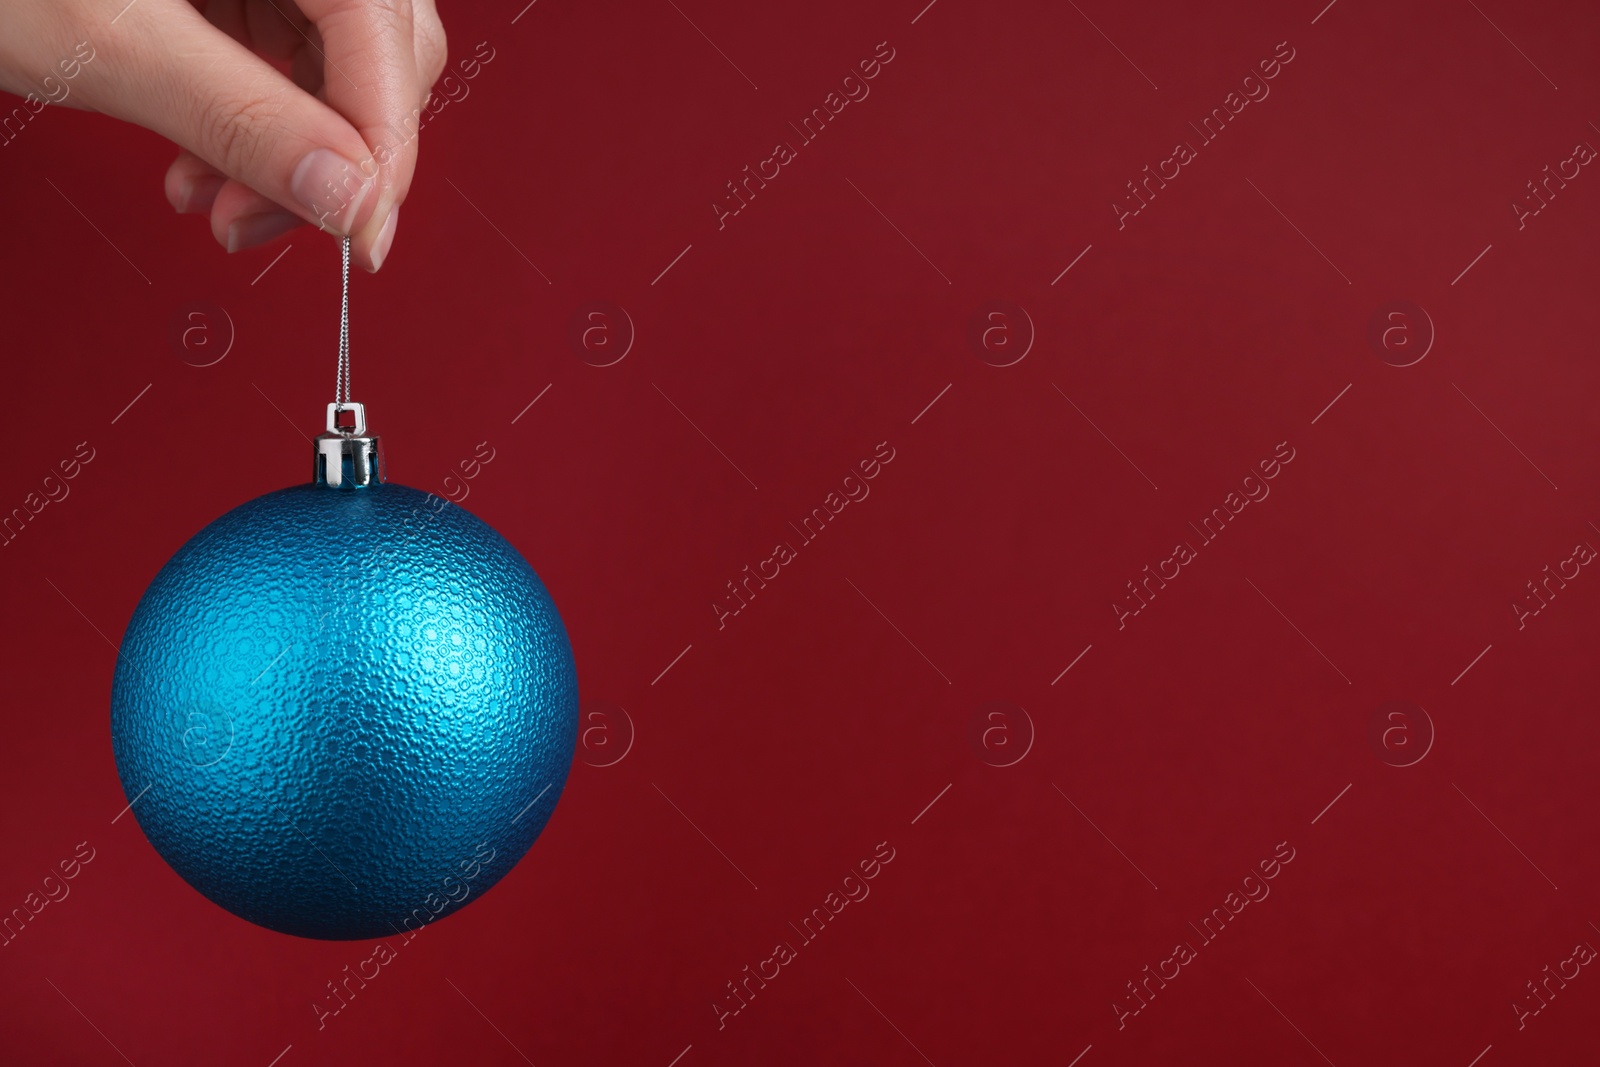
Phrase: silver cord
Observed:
(341, 387)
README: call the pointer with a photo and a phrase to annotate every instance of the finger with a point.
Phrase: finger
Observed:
(233, 110)
(195, 187)
(192, 184)
(370, 77)
(242, 218)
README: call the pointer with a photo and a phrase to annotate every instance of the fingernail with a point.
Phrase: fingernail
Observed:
(247, 231)
(198, 194)
(331, 187)
(380, 247)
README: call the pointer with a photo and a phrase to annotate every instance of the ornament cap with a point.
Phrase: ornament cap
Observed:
(347, 457)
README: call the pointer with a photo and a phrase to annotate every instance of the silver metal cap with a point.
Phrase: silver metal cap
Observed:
(346, 457)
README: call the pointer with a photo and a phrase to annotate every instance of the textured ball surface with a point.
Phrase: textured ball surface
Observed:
(344, 713)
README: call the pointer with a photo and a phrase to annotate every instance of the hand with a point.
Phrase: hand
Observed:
(333, 142)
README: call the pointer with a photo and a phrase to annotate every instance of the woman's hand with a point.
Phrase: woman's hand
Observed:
(332, 142)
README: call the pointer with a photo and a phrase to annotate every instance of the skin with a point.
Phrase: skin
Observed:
(285, 113)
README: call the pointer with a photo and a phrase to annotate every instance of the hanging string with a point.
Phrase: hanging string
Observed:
(341, 386)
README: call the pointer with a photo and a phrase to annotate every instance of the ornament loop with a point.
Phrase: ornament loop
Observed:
(358, 411)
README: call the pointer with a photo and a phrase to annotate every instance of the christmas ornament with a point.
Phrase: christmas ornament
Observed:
(346, 708)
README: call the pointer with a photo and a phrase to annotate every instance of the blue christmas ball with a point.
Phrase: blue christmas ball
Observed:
(344, 712)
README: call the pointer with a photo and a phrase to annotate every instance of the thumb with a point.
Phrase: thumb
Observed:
(168, 69)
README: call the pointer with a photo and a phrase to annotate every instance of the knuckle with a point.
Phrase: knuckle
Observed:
(433, 47)
(393, 16)
(240, 130)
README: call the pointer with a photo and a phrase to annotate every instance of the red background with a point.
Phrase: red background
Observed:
(1177, 752)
